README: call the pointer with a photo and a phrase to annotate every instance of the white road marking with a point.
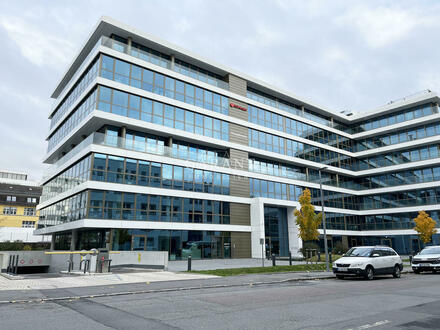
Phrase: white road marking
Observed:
(368, 326)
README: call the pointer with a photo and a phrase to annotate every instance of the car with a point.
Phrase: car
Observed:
(427, 260)
(367, 262)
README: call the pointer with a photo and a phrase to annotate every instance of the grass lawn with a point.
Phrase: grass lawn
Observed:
(334, 257)
(258, 270)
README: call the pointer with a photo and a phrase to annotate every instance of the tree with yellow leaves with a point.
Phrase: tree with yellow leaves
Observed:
(306, 218)
(425, 226)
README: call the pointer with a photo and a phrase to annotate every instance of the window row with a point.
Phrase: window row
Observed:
(70, 209)
(293, 109)
(150, 55)
(144, 53)
(180, 244)
(28, 224)
(400, 178)
(80, 86)
(137, 172)
(130, 206)
(136, 76)
(132, 106)
(86, 107)
(297, 128)
(398, 157)
(69, 178)
(406, 135)
(397, 117)
(274, 143)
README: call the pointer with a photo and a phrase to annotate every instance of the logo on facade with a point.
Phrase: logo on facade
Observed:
(233, 105)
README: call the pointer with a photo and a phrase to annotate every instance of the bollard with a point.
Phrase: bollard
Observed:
(189, 263)
(86, 265)
(330, 258)
(16, 264)
(70, 266)
(410, 259)
(273, 259)
(319, 256)
(290, 258)
(8, 269)
(12, 264)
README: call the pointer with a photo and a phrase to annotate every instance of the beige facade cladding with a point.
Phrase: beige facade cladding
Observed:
(237, 85)
(241, 245)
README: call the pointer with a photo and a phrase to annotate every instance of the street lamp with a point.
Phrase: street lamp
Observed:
(327, 268)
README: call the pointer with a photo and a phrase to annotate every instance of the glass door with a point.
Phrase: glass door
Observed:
(138, 242)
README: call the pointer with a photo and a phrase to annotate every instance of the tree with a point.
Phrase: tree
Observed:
(425, 226)
(306, 218)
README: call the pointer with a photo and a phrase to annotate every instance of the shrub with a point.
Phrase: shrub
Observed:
(310, 245)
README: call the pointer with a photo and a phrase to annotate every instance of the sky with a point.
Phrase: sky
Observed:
(344, 55)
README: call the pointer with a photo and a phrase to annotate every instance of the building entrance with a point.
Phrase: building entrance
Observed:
(275, 228)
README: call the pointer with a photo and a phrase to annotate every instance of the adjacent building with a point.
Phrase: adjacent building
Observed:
(155, 148)
(18, 201)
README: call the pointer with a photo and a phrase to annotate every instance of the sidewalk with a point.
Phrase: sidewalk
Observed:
(209, 264)
(44, 282)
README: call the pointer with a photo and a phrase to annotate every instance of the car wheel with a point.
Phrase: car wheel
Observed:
(416, 271)
(369, 273)
(396, 272)
(340, 277)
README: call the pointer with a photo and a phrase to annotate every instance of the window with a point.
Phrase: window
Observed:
(29, 211)
(10, 210)
(28, 224)
(31, 200)
(11, 198)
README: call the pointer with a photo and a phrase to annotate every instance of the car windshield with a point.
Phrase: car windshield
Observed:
(359, 252)
(432, 250)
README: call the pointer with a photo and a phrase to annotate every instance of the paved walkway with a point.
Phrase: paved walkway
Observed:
(44, 283)
(209, 264)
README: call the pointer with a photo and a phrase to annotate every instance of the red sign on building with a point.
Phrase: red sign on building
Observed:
(233, 105)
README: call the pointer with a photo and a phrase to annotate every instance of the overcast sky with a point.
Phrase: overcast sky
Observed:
(341, 54)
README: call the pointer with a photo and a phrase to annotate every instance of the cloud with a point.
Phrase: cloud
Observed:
(382, 26)
(36, 45)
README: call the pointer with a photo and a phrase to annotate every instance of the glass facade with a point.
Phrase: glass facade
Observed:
(275, 230)
(83, 82)
(219, 139)
(136, 76)
(396, 118)
(179, 243)
(116, 205)
(294, 127)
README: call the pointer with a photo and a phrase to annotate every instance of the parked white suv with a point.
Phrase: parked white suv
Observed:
(427, 260)
(368, 261)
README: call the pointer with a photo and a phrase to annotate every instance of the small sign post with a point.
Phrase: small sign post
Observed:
(262, 250)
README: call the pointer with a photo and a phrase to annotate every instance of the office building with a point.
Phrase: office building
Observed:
(18, 200)
(155, 148)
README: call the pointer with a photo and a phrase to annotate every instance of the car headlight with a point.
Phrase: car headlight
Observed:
(356, 264)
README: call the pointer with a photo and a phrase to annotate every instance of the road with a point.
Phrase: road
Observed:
(411, 302)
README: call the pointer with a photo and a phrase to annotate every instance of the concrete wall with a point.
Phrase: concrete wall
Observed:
(58, 262)
(26, 259)
(147, 259)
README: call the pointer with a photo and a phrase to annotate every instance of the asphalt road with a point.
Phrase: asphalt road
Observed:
(412, 302)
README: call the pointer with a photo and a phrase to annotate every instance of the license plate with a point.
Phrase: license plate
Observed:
(342, 269)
